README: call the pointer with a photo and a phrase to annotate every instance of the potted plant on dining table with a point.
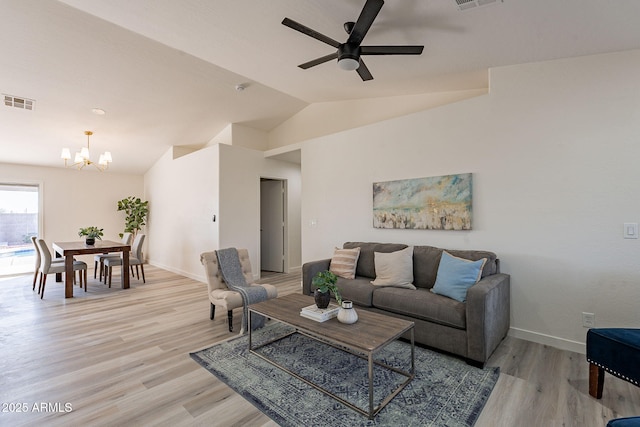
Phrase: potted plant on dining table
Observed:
(91, 233)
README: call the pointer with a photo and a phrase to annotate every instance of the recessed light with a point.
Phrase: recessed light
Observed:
(98, 111)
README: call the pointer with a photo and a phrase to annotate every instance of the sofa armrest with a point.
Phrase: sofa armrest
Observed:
(310, 269)
(488, 315)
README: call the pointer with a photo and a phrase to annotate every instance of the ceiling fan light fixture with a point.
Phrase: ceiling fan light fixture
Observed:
(348, 64)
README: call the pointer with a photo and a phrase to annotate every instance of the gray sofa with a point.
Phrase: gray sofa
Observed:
(471, 329)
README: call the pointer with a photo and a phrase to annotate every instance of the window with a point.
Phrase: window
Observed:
(19, 220)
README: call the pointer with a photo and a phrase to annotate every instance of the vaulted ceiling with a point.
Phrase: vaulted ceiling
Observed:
(166, 71)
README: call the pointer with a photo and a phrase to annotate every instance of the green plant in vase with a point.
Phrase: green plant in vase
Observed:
(325, 284)
(91, 234)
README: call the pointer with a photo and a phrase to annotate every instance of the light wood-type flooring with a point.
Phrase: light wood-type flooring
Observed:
(114, 357)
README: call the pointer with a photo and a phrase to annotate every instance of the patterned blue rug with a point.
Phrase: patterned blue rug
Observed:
(445, 391)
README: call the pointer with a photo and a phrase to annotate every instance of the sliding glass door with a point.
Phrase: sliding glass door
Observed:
(19, 220)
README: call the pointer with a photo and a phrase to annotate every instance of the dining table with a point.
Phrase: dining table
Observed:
(70, 249)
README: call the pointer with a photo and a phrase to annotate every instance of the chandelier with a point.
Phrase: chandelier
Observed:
(82, 158)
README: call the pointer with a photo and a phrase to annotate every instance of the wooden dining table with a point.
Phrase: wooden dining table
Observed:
(70, 249)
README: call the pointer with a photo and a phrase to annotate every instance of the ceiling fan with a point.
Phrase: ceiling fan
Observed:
(348, 53)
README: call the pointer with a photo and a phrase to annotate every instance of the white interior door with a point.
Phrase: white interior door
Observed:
(272, 225)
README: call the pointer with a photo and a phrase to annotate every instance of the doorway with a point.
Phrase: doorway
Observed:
(19, 220)
(272, 224)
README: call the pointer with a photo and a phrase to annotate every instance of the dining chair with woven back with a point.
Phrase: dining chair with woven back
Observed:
(135, 258)
(48, 266)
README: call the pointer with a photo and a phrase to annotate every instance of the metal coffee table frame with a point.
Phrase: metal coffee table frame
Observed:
(299, 327)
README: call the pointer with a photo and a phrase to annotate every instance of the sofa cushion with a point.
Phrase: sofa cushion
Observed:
(490, 267)
(426, 260)
(344, 261)
(366, 265)
(394, 269)
(358, 290)
(421, 304)
(456, 275)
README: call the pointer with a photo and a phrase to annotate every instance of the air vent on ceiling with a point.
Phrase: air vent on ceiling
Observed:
(468, 4)
(19, 102)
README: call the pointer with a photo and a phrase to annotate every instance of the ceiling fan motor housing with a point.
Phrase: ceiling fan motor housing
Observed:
(349, 56)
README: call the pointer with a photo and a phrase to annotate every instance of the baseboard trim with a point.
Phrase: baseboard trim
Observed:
(557, 342)
(295, 269)
(199, 278)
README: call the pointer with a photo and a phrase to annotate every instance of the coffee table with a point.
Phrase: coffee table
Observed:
(364, 338)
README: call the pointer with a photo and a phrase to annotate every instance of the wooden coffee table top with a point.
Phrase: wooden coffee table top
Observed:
(371, 332)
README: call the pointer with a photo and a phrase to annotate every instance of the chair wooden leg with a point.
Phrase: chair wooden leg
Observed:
(95, 269)
(212, 311)
(35, 277)
(230, 317)
(44, 282)
(84, 273)
(40, 284)
(142, 269)
(110, 273)
(596, 380)
(137, 272)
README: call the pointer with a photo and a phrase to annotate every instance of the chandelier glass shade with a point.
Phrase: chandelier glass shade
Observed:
(82, 158)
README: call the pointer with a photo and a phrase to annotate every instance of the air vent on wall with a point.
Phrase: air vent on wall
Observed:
(468, 4)
(19, 102)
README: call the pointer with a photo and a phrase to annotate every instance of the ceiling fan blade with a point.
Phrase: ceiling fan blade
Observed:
(365, 20)
(364, 72)
(391, 50)
(318, 61)
(308, 31)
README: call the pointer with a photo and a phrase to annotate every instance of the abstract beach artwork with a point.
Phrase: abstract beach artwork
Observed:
(432, 203)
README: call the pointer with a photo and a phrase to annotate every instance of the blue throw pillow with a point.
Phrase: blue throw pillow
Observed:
(456, 275)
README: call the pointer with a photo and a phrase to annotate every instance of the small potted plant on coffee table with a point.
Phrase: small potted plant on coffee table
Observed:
(91, 233)
(325, 284)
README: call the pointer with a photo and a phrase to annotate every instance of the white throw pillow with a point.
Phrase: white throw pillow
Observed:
(394, 269)
(344, 262)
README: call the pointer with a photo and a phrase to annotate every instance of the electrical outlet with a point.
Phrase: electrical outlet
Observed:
(588, 320)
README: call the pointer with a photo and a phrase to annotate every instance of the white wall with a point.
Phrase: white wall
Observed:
(325, 118)
(73, 199)
(184, 194)
(183, 198)
(553, 149)
(241, 170)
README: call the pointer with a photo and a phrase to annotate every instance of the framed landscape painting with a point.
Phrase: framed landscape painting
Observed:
(433, 203)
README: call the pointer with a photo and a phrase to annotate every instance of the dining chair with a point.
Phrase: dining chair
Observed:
(99, 259)
(37, 264)
(135, 258)
(47, 266)
(38, 258)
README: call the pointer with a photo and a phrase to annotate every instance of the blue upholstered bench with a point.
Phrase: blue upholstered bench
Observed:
(615, 350)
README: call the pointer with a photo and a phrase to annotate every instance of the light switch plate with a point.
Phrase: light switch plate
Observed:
(630, 230)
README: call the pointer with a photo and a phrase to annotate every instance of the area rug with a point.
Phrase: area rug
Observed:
(445, 391)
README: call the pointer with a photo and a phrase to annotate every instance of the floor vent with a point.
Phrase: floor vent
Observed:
(18, 102)
(468, 4)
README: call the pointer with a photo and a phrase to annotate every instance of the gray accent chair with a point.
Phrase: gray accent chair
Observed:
(219, 294)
